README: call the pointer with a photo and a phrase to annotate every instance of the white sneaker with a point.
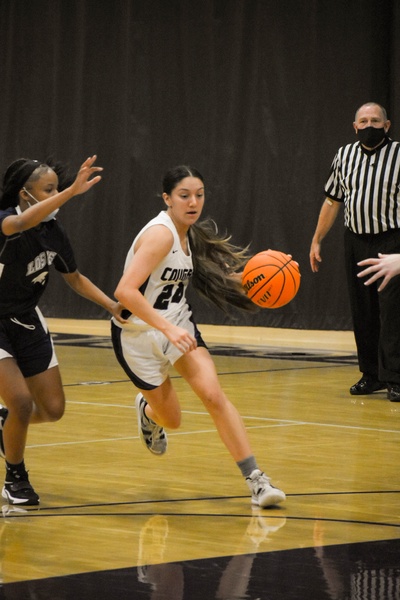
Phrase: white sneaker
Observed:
(263, 494)
(152, 435)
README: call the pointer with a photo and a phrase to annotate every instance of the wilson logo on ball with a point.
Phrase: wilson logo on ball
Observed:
(271, 279)
(249, 284)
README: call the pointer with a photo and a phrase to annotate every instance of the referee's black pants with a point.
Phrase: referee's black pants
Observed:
(376, 315)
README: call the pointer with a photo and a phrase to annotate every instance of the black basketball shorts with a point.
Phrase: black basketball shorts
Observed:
(26, 338)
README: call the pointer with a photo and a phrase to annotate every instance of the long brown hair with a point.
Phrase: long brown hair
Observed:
(215, 258)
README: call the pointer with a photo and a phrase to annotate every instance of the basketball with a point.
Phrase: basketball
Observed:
(271, 279)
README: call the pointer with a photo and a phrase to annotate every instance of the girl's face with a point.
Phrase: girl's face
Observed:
(186, 201)
(42, 188)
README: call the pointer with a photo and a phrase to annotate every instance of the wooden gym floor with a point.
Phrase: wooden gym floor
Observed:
(117, 522)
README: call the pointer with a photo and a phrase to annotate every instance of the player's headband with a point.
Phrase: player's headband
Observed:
(14, 179)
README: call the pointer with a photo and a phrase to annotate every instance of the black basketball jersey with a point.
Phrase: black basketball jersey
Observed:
(25, 260)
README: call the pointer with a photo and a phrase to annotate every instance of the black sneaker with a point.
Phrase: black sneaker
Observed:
(393, 393)
(17, 489)
(3, 417)
(366, 386)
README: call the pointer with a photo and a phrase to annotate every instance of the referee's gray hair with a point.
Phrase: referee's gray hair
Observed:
(383, 110)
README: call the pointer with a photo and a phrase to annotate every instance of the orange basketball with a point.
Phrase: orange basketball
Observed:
(271, 279)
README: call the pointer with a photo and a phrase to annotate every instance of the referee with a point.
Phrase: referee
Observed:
(365, 178)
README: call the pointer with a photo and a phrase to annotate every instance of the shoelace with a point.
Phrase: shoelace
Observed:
(157, 434)
(156, 431)
(260, 481)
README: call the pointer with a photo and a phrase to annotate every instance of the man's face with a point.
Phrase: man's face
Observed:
(370, 116)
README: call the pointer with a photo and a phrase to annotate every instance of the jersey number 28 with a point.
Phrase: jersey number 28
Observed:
(169, 293)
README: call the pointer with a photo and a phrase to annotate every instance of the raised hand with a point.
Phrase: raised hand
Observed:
(82, 182)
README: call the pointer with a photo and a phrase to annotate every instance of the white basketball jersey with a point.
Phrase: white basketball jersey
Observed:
(165, 288)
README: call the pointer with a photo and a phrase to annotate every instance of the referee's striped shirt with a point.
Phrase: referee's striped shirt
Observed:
(368, 182)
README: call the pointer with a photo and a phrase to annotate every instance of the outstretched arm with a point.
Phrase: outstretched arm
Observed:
(385, 266)
(83, 286)
(326, 219)
(33, 215)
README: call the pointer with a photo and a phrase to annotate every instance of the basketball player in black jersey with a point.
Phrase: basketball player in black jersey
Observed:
(31, 240)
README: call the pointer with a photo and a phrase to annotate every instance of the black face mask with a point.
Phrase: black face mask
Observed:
(371, 136)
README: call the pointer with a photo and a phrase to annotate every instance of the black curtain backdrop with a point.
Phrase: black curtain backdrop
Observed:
(257, 94)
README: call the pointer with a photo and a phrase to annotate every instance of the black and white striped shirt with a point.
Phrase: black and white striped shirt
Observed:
(368, 182)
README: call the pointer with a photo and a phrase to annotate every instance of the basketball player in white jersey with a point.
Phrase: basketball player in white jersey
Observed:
(168, 252)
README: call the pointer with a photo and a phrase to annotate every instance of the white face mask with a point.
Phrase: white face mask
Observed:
(52, 215)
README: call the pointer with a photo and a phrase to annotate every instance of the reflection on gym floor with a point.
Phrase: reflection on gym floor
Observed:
(116, 522)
